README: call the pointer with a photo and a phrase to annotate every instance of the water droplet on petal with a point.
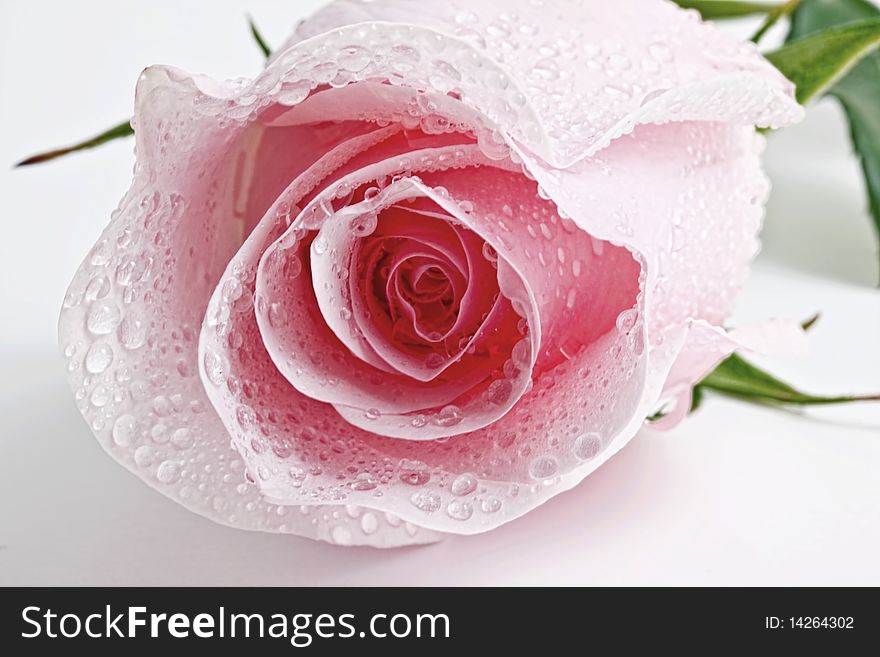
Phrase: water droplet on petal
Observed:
(341, 535)
(414, 473)
(427, 501)
(369, 523)
(543, 467)
(132, 332)
(459, 510)
(103, 317)
(449, 416)
(464, 484)
(364, 481)
(98, 288)
(182, 438)
(99, 357)
(499, 392)
(354, 58)
(587, 446)
(168, 472)
(490, 504)
(661, 52)
(144, 455)
(215, 366)
(126, 430)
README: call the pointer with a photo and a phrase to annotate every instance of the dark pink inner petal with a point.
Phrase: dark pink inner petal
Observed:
(317, 361)
(421, 289)
(270, 157)
(581, 284)
(402, 271)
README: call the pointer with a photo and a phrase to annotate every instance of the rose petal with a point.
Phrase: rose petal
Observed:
(355, 384)
(706, 346)
(436, 238)
(575, 74)
(129, 328)
(313, 437)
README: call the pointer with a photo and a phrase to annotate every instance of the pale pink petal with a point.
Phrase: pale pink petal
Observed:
(707, 345)
(564, 78)
(697, 231)
(129, 327)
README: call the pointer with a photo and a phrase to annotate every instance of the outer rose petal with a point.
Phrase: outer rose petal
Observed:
(130, 327)
(566, 77)
(131, 316)
(707, 345)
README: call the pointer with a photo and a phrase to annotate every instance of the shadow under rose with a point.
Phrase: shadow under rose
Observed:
(75, 517)
(727, 498)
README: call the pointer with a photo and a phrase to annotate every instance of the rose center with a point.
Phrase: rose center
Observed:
(417, 268)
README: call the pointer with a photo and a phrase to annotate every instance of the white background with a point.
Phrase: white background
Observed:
(736, 495)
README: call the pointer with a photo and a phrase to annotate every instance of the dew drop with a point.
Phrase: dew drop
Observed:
(449, 416)
(499, 391)
(546, 69)
(661, 52)
(320, 245)
(100, 396)
(587, 445)
(341, 535)
(626, 320)
(132, 332)
(143, 456)
(168, 472)
(98, 288)
(434, 361)
(464, 484)
(427, 501)
(100, 254)
(459, 510)
(362, 225)
(364, 481)
(103, 317)
(369, 523)
(182, 438)
(126, 430)
(293, 93)
(277, 316)
(616, 92)
(215, 366)
(414, 473)
(99, 357)
(354, 58)
(543, 467)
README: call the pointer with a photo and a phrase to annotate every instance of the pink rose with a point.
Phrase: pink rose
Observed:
(430, 268)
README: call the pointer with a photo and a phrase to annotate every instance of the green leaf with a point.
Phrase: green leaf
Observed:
(773, 17)
(817, 61)
(259, 38)
(858, 91)
(810, 321)
(736, 377)
(713, 9)
(697, 395)
(124, 129)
